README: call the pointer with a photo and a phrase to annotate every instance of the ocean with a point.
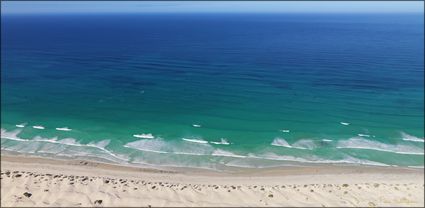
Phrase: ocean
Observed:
(215, 91)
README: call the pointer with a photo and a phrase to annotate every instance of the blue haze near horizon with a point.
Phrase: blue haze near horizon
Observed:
(278, 87)
(94, 7)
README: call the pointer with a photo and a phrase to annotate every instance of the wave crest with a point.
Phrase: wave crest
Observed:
(407, 137)
(361, 143)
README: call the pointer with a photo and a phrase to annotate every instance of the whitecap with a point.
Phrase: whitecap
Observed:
(363, 135)
(285, 130)
(196, 125)
(195, 140)
(20, 125)
(327, 140)
(63, 129)
(361, 143)
(344, 123)
(223, 141)
(144, 136)
(407, 137)
(38, 127)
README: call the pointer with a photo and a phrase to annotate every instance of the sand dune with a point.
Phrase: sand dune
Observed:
(43, 182)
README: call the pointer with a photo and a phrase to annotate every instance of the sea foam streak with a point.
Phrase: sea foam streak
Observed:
(361, 143)
(20, 125)
(223, 141)
(38, 127)
(407, 137)
(63, 129)
(144, 136)
(196, 125)
(344, 123)
(171, 147)
(223, 153)
(315, 159)
(196, 141)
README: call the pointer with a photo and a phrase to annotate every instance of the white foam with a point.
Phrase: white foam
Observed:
(156, 146)
(304, 144)
(363, 135)
(344, 123)
(353, 160)
(67, 141)
(196, 141)
(407, 137)
(38, 127)
(327, 140)
(63, 129)
(222, 141)
(361, 143)
(280, 142)
(164, 147)
(101, 144)
(196, 125)
(144, 136)
(285, 130)
(20, 125)
(301, 144)
(188, 153)
(41, 139)
(315, 159)
(223, 153)
(273, 156)
(12, 135)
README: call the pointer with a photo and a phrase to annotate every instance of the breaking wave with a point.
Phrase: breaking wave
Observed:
(54, 146)
(198, 152)
(305, 144)
(361, 143)
(407, 137)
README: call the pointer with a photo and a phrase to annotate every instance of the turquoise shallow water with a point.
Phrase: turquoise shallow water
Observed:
(215, 91)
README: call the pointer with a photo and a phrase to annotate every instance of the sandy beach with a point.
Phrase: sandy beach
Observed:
(28, 181)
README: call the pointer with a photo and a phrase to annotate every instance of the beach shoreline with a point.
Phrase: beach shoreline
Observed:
(83, 183)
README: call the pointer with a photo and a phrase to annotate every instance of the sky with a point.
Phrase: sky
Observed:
(48, 7)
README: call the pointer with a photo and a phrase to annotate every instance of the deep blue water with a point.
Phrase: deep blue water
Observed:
(280, 88)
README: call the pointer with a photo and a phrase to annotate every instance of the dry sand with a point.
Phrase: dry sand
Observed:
(28, 181)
